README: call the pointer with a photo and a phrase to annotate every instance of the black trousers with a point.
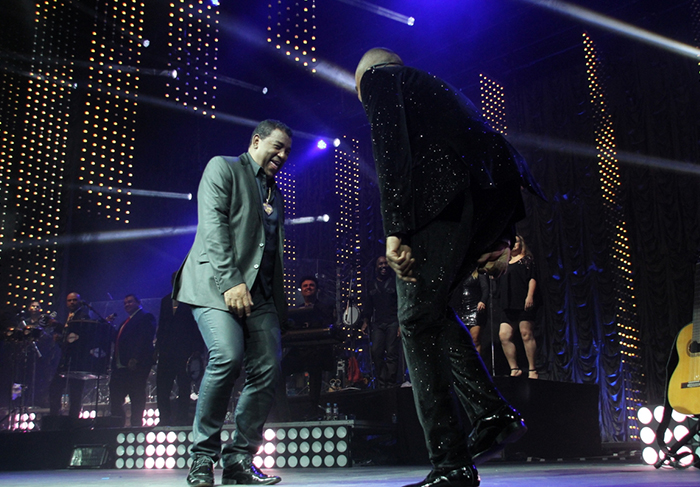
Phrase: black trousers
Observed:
(132, 383)
(385, 339)
(439, 351)
(172, 369)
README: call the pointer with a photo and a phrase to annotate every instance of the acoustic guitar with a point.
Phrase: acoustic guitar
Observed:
(684, 386)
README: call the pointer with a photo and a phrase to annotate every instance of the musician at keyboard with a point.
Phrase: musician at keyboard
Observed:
(308, 343)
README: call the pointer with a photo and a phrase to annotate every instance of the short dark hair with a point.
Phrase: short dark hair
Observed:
(266, 127)
(132, 295)
(308, 278)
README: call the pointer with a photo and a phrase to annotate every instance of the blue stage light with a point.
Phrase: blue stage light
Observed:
(322, 144)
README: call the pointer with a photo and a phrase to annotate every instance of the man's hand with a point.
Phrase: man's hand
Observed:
(239, 300)
(495, 263)
(399, 257)
(132, 364)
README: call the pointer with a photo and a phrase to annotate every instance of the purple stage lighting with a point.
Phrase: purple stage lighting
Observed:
(321, 144)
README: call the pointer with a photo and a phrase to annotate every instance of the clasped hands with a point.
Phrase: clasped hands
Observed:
(400, 259)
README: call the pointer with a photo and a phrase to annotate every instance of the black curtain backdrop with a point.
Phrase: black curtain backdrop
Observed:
(653, 98)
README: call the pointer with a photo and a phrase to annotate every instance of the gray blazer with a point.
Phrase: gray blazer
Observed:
(230, 240)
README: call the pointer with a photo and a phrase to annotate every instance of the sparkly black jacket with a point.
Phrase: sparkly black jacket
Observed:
(429, 144)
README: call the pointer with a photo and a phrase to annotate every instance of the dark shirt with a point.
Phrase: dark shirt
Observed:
(513, 286)
(381, 301)
(267, 266)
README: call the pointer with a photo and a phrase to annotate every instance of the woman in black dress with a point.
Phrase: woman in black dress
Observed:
(517, 290)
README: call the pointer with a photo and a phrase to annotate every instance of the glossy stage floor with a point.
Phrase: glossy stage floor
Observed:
(581, 474)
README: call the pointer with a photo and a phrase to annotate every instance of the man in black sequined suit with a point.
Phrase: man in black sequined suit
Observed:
(450, 198)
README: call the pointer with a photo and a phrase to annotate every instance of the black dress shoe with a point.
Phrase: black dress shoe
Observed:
(201, 472)
(459, 477)
(492, 433)
(245, 473)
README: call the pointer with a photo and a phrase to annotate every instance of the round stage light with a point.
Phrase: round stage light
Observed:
(687, 460)
(649, 455)
(336, 142)
(678, 417)
(644, 415)
(258, 461)
(270, 448)
(329, 461)
(170, 463)
(281, 434)
(281, 462)
(149, 463)
(321, 144)
(269, 434)
(659, 413)
(269, 462)
(680, 431)
(160, 462)
(647, 435)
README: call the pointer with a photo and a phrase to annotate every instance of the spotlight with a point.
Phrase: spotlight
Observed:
(264, 90)
(215, 3)
(146, 43)
(336, 142)
(173, 74)
(411, 21)
(321, 144)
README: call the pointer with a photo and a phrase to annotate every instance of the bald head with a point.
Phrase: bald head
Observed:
(377, 55)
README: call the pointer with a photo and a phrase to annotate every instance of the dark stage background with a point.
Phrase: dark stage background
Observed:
(537, 56)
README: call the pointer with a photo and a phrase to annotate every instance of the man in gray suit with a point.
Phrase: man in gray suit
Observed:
(233, 280)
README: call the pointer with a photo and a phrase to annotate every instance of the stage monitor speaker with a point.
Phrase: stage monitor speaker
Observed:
(89, 456)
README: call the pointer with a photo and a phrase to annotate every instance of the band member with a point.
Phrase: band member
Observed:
(132, 360)
(380, 308)
(233, 279)
(77, 311)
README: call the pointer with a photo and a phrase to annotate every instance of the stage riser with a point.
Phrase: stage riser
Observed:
(562, 422)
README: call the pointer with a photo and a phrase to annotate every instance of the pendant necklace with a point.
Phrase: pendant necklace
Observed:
(266, 205)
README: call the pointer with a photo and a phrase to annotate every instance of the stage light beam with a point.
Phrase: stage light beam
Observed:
(384, 12)
(613, 25)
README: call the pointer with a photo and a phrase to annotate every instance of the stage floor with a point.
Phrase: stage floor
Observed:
(599, 474)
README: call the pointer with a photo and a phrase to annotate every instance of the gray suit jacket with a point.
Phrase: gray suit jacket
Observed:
(230, 240)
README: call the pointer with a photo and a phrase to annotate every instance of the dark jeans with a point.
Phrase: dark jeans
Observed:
(132, 383)
(253, 342)
(385, 339)
(439, 350)
(169, 370)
